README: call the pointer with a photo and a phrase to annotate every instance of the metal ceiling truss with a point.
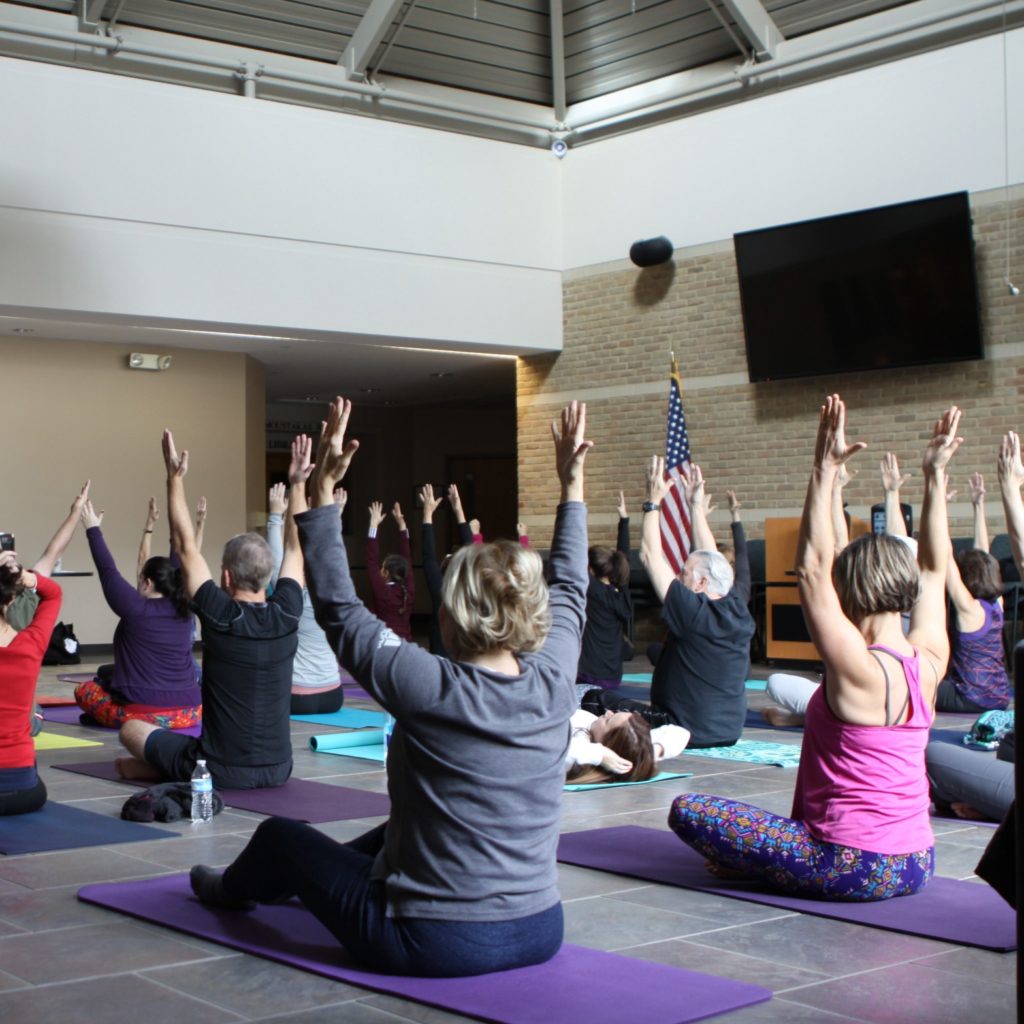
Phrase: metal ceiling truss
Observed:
(77, 39)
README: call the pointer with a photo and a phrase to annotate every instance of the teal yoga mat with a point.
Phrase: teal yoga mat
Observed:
(367, 744)
(660, 777)
(784, 755)
(645, 677)
(346, 718)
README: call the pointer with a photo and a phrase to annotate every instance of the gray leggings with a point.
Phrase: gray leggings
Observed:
(958, 775)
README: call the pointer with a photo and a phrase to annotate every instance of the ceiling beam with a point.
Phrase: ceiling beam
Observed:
(89, 12)
(367, 37)
(558, 60)
(756, 25)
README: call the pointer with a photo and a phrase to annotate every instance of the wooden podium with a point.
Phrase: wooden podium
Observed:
(786, 633)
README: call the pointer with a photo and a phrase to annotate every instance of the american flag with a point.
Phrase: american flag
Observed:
(676, 532)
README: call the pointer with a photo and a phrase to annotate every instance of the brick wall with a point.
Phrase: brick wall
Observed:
(621, 324)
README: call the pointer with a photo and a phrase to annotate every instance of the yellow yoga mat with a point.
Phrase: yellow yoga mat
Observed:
(53, 741)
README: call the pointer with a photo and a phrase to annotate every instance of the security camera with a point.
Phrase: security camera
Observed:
(1011, 287)
(559, 148)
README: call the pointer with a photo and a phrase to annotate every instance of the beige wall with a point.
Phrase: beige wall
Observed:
(620, 326)
(74, 410)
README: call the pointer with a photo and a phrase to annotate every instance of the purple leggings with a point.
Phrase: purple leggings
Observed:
(783, 853)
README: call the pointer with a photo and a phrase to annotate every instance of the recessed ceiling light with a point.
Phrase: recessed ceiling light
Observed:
(443, 373)
(369, 391)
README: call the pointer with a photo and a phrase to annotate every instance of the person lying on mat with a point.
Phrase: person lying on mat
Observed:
(462, 879)
(316, 680)
(699, 681)
(248, 647)
(392, 582)
(859, 828)
(153, 677)
(618, 747)
(609, 611)
(21, 655)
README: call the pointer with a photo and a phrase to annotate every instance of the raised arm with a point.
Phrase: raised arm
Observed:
(122, 596)
(892, 481)
(194, 570)
(299, 470)
(693, 489)
(622, 533)
(743, 583)
(431, 567)
(277, 509)
(928, 618)
(405, 550)
(981, 539)
(461, 526)
(146, 540)
(1011, 477)
(652, 554)
(60, 540)
(200, 522)
(840, 530)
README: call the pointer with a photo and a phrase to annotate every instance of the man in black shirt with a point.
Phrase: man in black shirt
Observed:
(248, 646)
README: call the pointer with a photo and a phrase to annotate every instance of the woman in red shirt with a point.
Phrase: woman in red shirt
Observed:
(21, 654)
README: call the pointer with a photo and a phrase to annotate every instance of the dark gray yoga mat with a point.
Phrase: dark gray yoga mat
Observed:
(579, 984)
(947, 909)
(301, 799)
(63, 827)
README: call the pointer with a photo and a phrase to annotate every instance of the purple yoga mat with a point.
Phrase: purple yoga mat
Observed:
(947, 909)
(577, 985)
(300, 799)
(64, 715)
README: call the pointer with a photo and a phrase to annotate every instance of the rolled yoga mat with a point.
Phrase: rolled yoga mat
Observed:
(301, 799)
(367, 744)
(577, 985)
(946, 909)
(64, 827)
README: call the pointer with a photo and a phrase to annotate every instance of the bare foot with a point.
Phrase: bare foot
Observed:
(134, 770)
(967, 812)
(721, 871)
(780, 717)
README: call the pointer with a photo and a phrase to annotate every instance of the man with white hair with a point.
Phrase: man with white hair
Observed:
(700, 679)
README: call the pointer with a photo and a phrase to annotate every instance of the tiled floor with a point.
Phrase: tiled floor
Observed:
(61, 960)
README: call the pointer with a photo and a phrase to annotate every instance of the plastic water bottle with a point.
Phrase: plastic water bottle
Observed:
(202, 793)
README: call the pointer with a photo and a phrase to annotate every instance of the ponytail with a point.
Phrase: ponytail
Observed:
(168, 582)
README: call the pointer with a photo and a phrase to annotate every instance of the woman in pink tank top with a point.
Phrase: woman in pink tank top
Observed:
(859, 828)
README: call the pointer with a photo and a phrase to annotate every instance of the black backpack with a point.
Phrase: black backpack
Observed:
(63, 646)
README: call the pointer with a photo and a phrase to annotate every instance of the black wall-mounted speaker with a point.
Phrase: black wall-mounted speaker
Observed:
(651, 251)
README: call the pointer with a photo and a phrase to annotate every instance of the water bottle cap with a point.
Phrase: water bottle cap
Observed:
(201, 761)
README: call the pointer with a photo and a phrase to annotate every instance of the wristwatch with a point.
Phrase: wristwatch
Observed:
(651, 506)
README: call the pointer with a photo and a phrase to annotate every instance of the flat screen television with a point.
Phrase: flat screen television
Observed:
(870, 290)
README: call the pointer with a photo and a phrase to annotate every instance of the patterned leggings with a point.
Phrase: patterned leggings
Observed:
(783, 853)
(101, 706)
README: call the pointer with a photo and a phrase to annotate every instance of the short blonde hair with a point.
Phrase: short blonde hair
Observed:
(494, 597)
(876, 573)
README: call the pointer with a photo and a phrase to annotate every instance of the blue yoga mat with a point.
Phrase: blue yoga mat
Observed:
(346, 718)
(367, 744)
(63, 827)
(660, 777)
(783, 755)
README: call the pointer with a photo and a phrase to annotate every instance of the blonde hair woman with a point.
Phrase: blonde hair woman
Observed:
(461, 879)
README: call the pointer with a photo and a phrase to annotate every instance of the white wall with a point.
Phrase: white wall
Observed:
(138, 198)
(917, 127)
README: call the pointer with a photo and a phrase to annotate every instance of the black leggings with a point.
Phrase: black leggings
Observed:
(23, 801)
(598, 701)
(324, 703)
(949, 698)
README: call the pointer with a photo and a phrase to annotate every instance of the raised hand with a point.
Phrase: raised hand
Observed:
(844, 475)
(177, 465)
(474, 527)
(977, 482)
(201, 510)
(335, 451)
(832, 450)
(300, 468)
(376, 514)
(277, 500)
(620, 506)
(396, 514)
(428, 502)
(656, 484)
(520, 529)
(340, 498)
(890, 470)
(81, 498)
(693, 486)
(571, 449)
(90, 517)
(152, 515)
(1011, 469)
(944, 442)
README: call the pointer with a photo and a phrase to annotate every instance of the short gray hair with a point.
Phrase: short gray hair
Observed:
(716, 568)
(250, 561)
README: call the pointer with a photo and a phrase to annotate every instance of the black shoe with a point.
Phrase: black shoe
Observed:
(208, 885)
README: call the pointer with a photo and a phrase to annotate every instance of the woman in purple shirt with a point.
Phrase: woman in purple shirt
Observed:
(154, 677)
